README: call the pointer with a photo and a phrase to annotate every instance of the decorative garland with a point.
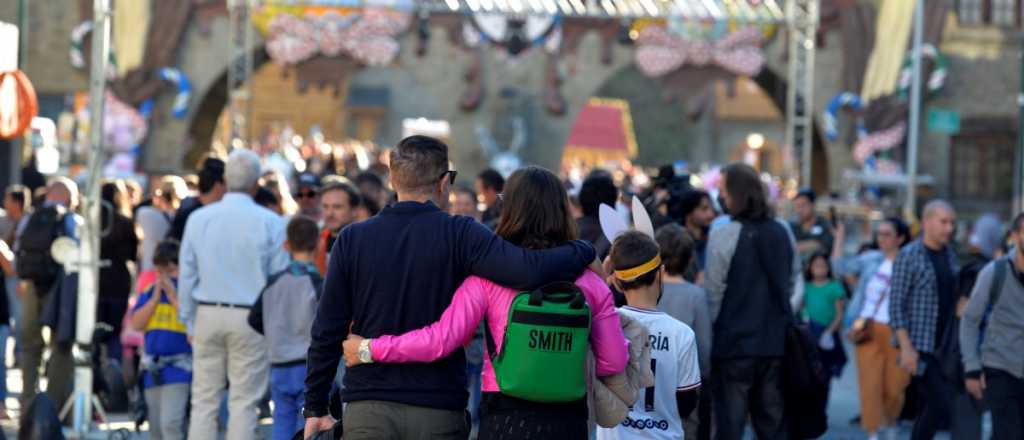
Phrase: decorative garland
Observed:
(491, 28)
(77, 41)
(831, 118)
(936, 80)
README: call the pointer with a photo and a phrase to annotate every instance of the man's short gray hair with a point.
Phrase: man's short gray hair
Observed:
(935, 206)
(242, 170)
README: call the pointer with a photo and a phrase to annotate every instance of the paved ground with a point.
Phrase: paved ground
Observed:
(844, 405)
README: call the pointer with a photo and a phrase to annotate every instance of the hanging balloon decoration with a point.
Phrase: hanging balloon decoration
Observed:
(124, 128)
(366, 35)
(871, 145)
(661, 52)
(18, 104)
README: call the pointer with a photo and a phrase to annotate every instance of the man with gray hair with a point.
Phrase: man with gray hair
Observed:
(923, 306)
(39, 273)
(228, 251)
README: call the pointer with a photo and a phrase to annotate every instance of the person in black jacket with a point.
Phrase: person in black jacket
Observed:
(398, 272)
(751, 270)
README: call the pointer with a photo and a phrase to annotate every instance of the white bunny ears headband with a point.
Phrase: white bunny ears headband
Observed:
(613, 225)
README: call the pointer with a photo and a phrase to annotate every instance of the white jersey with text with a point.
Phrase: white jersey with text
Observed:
(676, 367)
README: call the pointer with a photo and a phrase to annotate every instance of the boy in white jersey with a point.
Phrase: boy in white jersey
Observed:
(660, 410)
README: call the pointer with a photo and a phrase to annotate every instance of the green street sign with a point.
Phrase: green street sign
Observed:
(943, 121)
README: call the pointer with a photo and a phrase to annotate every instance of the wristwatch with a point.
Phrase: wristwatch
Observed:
(365, 356)
(310, 413)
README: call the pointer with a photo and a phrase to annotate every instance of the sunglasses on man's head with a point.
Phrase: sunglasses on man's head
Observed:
(306, 195)
(451, 176)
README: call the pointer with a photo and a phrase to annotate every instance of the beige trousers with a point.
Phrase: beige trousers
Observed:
(225, 349)
(882, 381)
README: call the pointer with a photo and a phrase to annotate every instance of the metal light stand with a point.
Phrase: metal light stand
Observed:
(240, 69)
(802, 18)
(82, 399)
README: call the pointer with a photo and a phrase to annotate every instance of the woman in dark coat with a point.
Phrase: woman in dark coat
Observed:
(119, 248)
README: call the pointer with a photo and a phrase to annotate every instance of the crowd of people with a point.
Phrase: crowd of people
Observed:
(397, 302)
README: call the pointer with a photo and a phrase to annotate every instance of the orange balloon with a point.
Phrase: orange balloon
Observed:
(18, 104)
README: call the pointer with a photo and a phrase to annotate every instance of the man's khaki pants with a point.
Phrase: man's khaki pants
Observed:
(225, 349)
(379, 420)
(59, 369)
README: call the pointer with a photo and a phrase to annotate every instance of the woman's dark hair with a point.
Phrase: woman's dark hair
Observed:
(598, 188)
(901, 228)
(535, 212)
(631, 249)
(265, 198)
(676, 248)
(166, 253)
(808, 275)
(115, 196)
(747, 193)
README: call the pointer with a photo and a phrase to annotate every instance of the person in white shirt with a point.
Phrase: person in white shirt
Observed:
(229, 250)
(661, 409)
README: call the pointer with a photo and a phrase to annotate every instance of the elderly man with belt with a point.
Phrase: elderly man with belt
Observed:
(228, 251)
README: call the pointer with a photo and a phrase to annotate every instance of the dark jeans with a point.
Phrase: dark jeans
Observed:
(508, 418)
(379, 420)
(1005, 397)
(937, 397)
(749, 386)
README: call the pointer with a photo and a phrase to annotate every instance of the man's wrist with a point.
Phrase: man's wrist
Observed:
(365, 351)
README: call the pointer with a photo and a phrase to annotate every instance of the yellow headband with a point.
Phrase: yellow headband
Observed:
(639, 271)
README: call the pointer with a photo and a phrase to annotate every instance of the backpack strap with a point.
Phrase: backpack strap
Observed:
(492, 350)
(998, 280)
(558, 292)
(1002, 266)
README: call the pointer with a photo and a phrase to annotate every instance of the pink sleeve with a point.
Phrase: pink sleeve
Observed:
(611, 349)
(435, 341)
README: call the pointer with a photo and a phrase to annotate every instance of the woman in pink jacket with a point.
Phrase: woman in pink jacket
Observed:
(535, 215)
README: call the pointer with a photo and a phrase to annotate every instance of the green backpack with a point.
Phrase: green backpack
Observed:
(543, 356)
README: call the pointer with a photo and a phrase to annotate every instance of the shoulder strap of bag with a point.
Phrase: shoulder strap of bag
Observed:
(492, 350)
(881, 299)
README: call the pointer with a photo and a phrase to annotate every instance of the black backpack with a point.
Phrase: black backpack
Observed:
(34, 260)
